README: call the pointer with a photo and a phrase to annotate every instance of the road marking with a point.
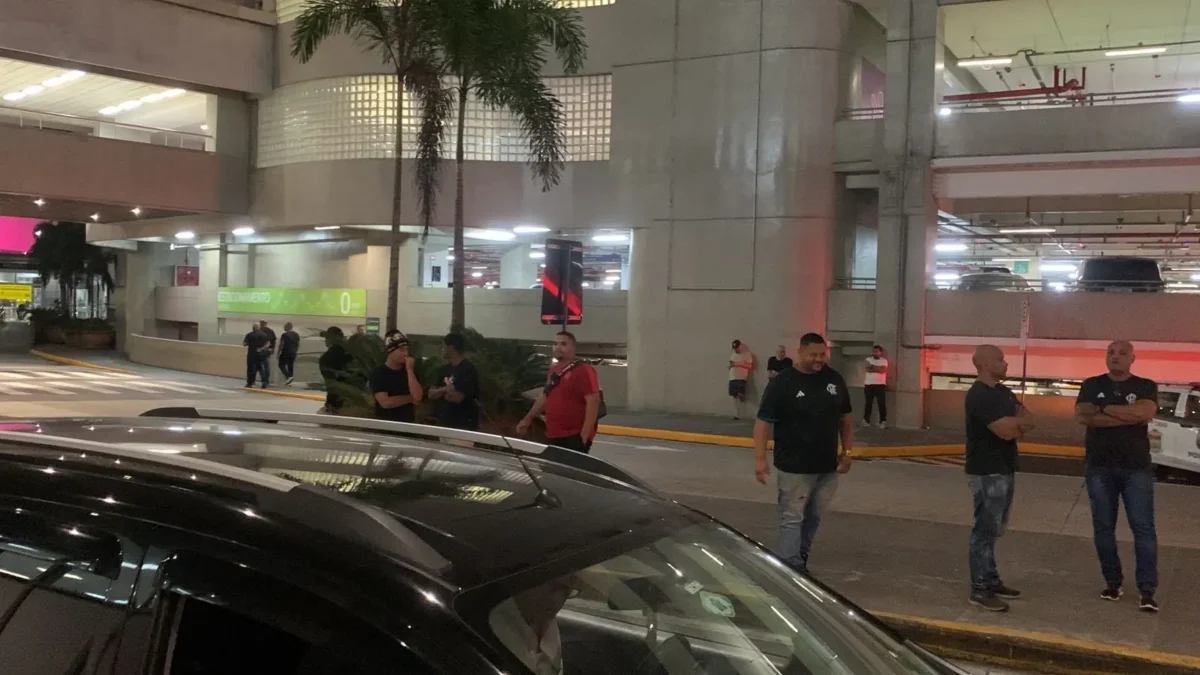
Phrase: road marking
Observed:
(660, 448)
(83, 386)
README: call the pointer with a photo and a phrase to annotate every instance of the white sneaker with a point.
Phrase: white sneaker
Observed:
(883, 425)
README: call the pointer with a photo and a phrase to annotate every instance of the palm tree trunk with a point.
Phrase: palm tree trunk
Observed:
(397, 212)
(458, 311)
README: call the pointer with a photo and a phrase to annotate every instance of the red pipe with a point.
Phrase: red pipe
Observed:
(1060, 87)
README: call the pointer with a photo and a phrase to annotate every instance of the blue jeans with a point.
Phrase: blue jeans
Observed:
(803, 498)
(264, 365)
(1107, 486)
(993, 495)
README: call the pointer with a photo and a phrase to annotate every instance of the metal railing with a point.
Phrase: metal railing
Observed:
(1022, 285)
(854, 284)
(1036, 103)
(88, 126)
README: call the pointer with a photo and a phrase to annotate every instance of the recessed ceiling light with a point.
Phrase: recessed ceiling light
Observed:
(328, 227)
(476, 275)
(1026, 230)
(203, 127)
(243, 231)
(137, 211)
(987, 61)
(39, 201)
(186, 235)
(490, 235)
(945, 112)
(110, 110)
(1136, 51)
(537, 255)
(95, 216)
(612, 279)
(950, 248)
(610, 238)
(612, 271)
(450, 257)
(530, 229)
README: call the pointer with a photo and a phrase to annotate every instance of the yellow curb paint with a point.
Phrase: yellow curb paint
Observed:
(1046, 640)
(54, 358)
(286, 394)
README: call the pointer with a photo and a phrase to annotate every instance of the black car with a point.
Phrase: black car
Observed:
(1127, 274)
(195, 542)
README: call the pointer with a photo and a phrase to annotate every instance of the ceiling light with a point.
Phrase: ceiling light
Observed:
(33, 90)
(945, 112)
(1189, 98)
(950, 248)
(39, 201)
(1002, 260)
(1058, 267)
(203, 127)
(1196, 277)
(1058, 286)
(490, 235)
(946, 276)
(542, 265)
(986, 61)
(1136, 51)
(328, 227)
(610, 238)
(612, 271)
(68, 76)
(476, 275)
(109, 111)
(609, 283)
(530, 229)
(587, 284)
(95, 216)
(450, 257)
(537, 255)
(14, 96)
(186, 235)
(137, 211)
(480, 267)
(1026, 230)
(243, 231)
(612, 279)
(172, 93)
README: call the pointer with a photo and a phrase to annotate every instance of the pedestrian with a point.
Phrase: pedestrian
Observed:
(289, 346)
(995, 420)
(334, 365)
(1117, 408)
(254, 342)
(458, 394)
(571, 399)
(875, 386)
(778, 363)
(394, 384)
(361, 330)
(265, 353)
(741, 364)
(807, 410)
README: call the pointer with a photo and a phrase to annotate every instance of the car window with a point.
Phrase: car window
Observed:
(702, 600)
(1168, 403)
(64, 588)
(1191, 410)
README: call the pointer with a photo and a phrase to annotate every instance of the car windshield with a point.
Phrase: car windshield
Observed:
(1129, 269)
(702, 600)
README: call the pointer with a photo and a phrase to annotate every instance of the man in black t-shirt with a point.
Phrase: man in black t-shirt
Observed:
(265, 353)
(778, 363)
(1117, 408)
(995, 419)
(394, 384)
(807, 408)
(289, 346)
(458, 394)
(254, 342)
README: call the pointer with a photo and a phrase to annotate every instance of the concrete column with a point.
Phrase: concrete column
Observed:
(723, 146)
(134, 301)
(230, 121)
(907, 209)
(517, 269)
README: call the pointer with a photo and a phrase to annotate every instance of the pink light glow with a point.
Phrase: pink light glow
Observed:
(16, 234)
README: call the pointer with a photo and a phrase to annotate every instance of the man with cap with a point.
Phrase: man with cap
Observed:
(394, 384)
(333, 364)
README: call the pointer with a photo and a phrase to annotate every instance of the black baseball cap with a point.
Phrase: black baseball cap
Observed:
(333, 331)
(395, 341)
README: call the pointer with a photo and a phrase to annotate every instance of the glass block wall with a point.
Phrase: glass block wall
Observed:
(288, 10)
(351, 118)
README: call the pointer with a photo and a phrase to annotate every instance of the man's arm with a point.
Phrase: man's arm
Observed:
(846, 431)
(591, 414)
(385, 401)
(415, 392)
(1137, 413)
(523, 425)
(762, 433)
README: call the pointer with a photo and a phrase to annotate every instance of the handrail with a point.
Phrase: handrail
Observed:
(854, 284)
(1081, 100)
(21, 112)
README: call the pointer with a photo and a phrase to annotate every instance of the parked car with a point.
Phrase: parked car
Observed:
(1175, 431)
(220, 542)
(1121, 274)
(992, 281)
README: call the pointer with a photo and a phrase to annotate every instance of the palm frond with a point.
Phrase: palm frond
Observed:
(436, 103)
(365, 20)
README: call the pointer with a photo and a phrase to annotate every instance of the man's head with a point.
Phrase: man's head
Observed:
(333, 335)
(454, 347)
(541, 604)
(262, 324)
(737, 346)
(564, 346)
(989, 361)
(1120, 357)
(360, 329)
(781, 352)
(877, 352)
(253, 326)
(287, 326)
(396, 345)
(813, 353)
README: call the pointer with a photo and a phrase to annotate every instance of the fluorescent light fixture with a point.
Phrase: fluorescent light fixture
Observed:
(1180, 284)
(609, 283)
(203, 127)
(14, 96)
(39, 201)
(243, 231)
(137, 210)
(1136, 51)
(530, 229)
(537, 255)
(946, 276)
(950, 248)
(1004, 260)
(610, 238)
(612, 279)
(490, 235)
(1059, 267)
(587, 284)
(1196, 277)
(612, 271)
(1026, 230)
(325, 228)
(1189, 98)
(109, 111)
(95, 216)
(186, 235)
(33, 90)
(985, 61)
(945, 112)
(450, 257)
(476, 275)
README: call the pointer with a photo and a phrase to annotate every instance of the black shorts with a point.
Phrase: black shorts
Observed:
(737, 388)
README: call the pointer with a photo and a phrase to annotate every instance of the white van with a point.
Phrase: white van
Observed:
(1174, 437)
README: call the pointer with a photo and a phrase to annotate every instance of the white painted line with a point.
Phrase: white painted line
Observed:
(9, 375)
(28, 386)
(8, 389)
(86, 387)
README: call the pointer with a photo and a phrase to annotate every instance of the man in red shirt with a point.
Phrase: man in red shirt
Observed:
(571, 399)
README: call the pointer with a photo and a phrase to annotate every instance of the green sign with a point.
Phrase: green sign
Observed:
(1021, 267)
(347, 302)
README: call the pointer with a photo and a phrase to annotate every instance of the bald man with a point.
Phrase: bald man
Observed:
(1117, 408)
(995, 420)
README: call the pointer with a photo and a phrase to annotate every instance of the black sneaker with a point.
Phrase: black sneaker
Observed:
(1002, 591)
(1148, 604)
(1112, 593)
(988, 600)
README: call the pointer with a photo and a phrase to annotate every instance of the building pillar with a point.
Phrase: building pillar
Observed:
(723, 147)
(907, 209)
(517, 269)
(133, 302)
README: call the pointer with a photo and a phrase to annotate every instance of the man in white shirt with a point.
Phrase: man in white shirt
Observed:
(741, 363)
(875, 386)
(527, 624)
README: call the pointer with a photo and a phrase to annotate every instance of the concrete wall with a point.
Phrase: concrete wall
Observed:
(514, 313)
(1170, 362)
(193, 357)
(858, 143)
(196, 44)
(1056, 416)
(1151, 126)
(851, 314)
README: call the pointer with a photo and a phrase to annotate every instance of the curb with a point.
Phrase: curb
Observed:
(63, 360)
(285, 394)
(1040, 652)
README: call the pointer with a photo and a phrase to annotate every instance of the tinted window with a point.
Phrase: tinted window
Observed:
(1168, 402)
(1191, 411)
(1121, 270)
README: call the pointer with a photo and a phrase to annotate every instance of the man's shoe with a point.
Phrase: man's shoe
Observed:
(1002, 591)
(289, 381)
(1148, 604)
(1112, 593)
(883, 425)
(988, 600)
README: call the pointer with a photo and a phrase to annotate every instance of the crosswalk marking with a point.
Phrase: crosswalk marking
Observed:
(33, 383)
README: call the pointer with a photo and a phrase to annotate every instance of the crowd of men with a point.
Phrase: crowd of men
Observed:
(806, 410)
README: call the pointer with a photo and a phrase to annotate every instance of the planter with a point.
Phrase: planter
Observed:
(55, 335)
(91, 339)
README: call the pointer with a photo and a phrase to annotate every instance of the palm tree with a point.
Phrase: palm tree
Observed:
(496, 50)
(396, 30)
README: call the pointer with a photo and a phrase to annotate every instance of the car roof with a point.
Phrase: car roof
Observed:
(466, 515)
